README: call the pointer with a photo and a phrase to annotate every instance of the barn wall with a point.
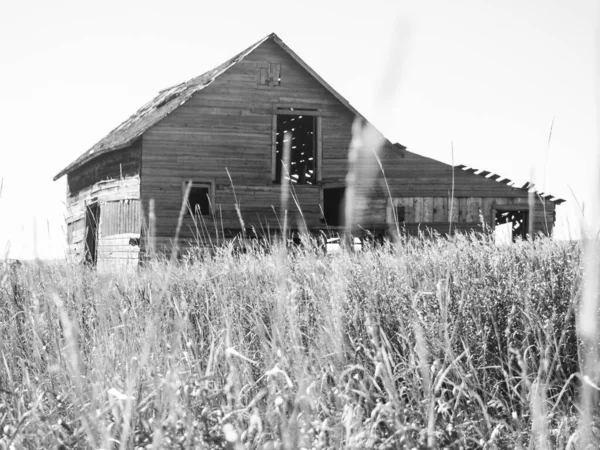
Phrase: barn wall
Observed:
(412, 175)
(117, 252)
(465, 213)
(415, 176)
(112, 181)
(228, 125)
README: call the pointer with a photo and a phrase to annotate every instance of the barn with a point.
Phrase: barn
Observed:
(218, 140)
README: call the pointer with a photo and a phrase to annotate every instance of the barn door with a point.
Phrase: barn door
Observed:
(92, 216)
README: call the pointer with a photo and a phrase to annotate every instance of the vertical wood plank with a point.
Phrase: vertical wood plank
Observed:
(274, 73)
(488, 212)
(440, 209)
(418, 206)
(99, 225)
(427, 209)
(474, 204)
(462, 209)
(479, 209)
(409, 209)
(453, 210)
(321, 201)
(470, 215)
(319, 149)
(274, 148)
(389, 216)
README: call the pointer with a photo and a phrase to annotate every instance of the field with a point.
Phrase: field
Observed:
(429, 343)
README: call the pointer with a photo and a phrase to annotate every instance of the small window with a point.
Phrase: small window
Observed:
(301, 129)
(199, 198)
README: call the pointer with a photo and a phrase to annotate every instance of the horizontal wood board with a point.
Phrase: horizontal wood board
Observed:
(113, 182)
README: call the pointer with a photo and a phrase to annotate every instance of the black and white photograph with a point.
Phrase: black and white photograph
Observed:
(317, 225)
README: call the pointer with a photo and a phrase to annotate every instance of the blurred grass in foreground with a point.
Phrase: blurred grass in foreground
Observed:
(453, 343)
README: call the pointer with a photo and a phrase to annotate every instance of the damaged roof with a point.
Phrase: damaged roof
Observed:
(152, 112)
(172, 98)
(500, 179)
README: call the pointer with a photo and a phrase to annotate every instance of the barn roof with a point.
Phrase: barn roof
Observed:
(172, 98)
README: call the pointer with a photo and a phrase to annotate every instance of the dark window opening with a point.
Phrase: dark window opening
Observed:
(400, 214)
(517, 218)
(302, 132)
(199, 199)
(333, 207)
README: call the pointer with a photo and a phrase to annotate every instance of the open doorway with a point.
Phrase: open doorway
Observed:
(92, 214)
(512, 224)
(333, 206)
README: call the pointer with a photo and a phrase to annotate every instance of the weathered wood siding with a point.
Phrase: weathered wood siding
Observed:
(411, 175)
(113, 182)
(228, 125)
(465, 213)
(414, 176)
(117, 252)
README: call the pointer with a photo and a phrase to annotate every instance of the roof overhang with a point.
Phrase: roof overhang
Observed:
(85, 158)
(530, 187)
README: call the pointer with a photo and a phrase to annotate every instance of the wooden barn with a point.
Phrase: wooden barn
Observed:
(219, 138)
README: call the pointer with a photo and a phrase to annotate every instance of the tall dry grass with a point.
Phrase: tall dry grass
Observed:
(452, 343)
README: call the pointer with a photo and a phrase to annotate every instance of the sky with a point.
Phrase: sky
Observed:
(474, 82)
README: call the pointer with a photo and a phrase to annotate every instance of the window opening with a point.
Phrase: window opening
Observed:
(302, 131)
(199, 199)
(517, 219)
(400, 214)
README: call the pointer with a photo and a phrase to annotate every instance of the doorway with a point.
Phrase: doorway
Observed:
(333, 206)
(92, 216)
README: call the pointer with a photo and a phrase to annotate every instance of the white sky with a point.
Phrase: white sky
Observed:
(488, 76)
